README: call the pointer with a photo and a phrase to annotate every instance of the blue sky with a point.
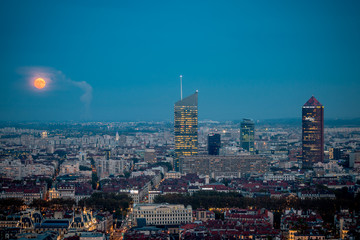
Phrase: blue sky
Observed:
(248, 59)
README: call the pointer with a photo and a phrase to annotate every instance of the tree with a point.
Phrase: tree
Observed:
(84, 168)
(127, 174)
(60, 203)
(39, 203)
(94, 180)
(13, 204)
(218, 214)
(212, 180)
(111, 202)
(60, 153)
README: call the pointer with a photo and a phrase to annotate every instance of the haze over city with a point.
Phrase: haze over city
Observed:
(122, 60)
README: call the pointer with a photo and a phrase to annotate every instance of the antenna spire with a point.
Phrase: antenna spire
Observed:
(181, 86)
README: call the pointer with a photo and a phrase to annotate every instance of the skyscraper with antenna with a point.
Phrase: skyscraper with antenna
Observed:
(185, 126)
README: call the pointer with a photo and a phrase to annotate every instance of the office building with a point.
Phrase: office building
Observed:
(116, 167)
(312, 132)
(214, 144)
(223, 166)
(334, 153)
(247, 135)
(354, 161)
(163, 214)
(186, 127)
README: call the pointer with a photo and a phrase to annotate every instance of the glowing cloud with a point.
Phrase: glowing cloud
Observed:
(52, 77)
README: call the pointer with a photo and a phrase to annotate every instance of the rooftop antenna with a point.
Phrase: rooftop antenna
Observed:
(181, 86)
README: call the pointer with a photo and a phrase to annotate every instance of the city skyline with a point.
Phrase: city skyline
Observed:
(125, 63)
(103, 133)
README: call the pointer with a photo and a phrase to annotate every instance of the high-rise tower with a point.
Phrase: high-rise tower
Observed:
(214, 144)
(247, 135)
(312, 132)
(186, 127)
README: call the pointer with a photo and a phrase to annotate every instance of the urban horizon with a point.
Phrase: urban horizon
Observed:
(214, 120)
(218, 118)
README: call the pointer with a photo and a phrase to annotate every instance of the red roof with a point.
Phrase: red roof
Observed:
(312, 102)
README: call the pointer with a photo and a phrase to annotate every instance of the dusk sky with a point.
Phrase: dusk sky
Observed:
(121, 60)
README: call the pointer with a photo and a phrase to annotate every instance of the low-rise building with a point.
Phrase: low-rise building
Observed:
(150, 156)
(279, 177)
(104, 222)
(152, 195)
(27, 192)
(69, 167)
(293, 227)
(204, 215)
(172, 174)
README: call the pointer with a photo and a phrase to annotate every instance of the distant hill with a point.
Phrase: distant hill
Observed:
(355, 122)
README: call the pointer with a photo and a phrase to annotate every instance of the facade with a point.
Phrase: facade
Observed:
(292, 219)
(107, 167)
(334, 153)
(33, 222)
(163, 214)
(203, 215)
(66, 190)
(312, 132)
(105, 222)
(153, 195)
(214, 144)
(247, 135)
(354, 161)
(28, 195)
(26, 191)
(69, 167)
(186, 127)
(150, 156)
(11, 169)
(279, 177)
(249, 215)
(223, 166)
(172, 174)
(14, 169)
(53, 193)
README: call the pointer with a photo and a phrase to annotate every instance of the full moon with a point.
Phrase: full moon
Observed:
(39, 83)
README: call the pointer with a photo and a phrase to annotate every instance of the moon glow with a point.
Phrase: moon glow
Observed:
(39, 83)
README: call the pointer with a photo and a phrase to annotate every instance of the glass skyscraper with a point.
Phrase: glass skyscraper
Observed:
(186, 128)
(214, 144)
(247, 135)
(312, 132)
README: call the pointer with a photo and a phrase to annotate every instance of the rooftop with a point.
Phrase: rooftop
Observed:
(191, 100)
(312, 102)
